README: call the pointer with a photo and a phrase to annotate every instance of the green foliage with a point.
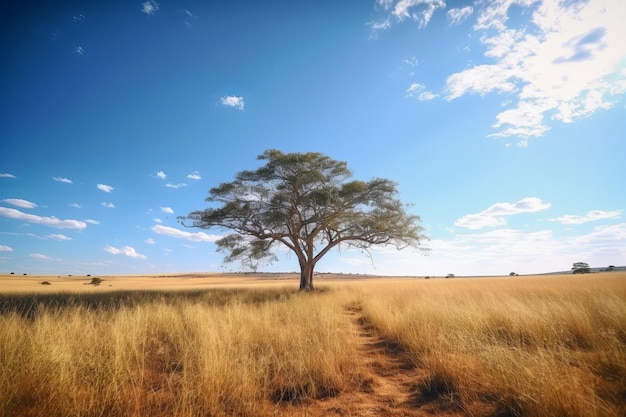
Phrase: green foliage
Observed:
(305, 202)
(580, 268)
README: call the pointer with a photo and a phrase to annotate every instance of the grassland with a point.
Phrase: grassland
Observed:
(523, 346)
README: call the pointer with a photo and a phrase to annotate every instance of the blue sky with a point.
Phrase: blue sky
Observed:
(502, 121)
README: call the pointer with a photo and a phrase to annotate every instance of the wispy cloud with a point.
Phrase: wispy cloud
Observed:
(194, 176)
(41, 257)
(458, 16)
(149, 241)
(178, 185)
(79, 50)
(167, 210)
(591, 216)
(61, 179)
(149, 7)
(181, 234)
(417, 90)
(46, 221)
(161, 175)
(495, 214)
(58, 236)
(92, 221)
(125, 250)
(157, 220)
(233, 101)
(420, 11)
(75, 205)
(18, 202)
(105, 188)
(565, 64)
(6, 175)
(4, 248)
(107, 205)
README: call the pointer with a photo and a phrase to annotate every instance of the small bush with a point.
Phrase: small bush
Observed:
(96, 281)
(46, 283)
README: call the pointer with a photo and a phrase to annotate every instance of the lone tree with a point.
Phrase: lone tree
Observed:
(304, 201)
(580, 268)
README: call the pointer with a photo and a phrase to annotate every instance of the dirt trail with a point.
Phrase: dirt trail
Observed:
(388, 381)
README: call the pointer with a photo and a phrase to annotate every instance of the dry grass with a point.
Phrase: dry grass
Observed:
(219, 353)
(514, 346)
(528, 346)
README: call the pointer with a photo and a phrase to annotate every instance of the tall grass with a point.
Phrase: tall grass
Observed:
(174, 355)
(529, 347)
(532, 347)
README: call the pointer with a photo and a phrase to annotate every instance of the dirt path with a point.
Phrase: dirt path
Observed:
(389, 381)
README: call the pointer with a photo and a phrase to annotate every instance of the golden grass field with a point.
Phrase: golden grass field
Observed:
(247, 345)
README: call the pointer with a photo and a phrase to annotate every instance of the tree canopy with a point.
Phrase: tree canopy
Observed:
(307, 203)
(580, 268)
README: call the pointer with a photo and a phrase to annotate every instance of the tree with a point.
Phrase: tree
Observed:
(306, 203)
(580, 268)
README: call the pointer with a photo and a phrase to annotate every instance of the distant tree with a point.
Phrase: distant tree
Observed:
(304, 202)
(513, 274)
(580, 268)
(450, 276)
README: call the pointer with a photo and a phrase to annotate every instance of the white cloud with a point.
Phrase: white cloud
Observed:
(5, 175)
(591, 216)
(41, 256)
(405, 9)
(46, 221)
(427, 96)
(75, 205)
(107, 205)
(564, 64)
(457, 16)
(177, 185)
(381, 25)
(61, 179)
(105, 188)
(194, 176)
(149, 7)
(417, 90)
(125, 250)
(149, 241)
(233, 101)
(80, 50)
(495, 214)
(92, 221)
(157, 220)
(181, 234)
(385, 4)
(167, 210)
(18, 202)
(4, 248)
(500, 251)
(58, 236)
(161, 175)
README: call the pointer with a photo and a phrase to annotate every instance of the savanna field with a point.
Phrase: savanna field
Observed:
(499, 347)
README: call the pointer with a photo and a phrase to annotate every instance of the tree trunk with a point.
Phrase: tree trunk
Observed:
(306, 277)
